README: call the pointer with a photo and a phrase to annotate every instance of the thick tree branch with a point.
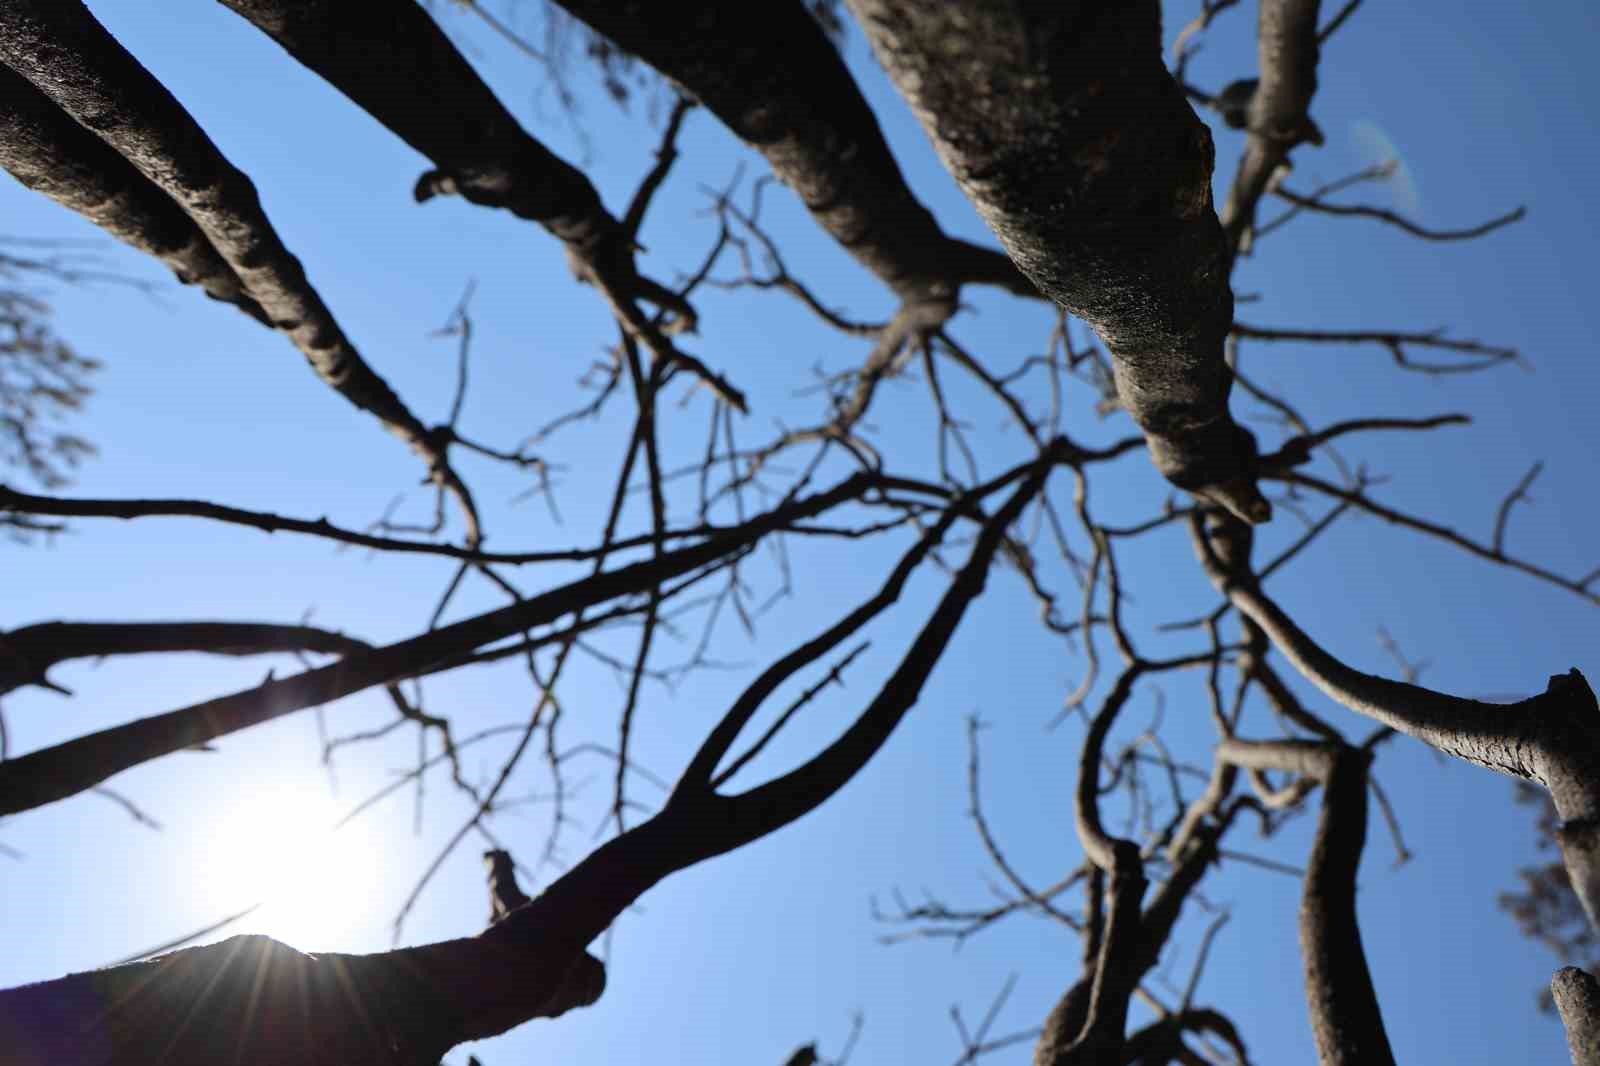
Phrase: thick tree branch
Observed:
(391, 59)
(1577, 996)
(72, 59)
(1028, 107)
(771, 75)
(252, 1001)
(48, 152)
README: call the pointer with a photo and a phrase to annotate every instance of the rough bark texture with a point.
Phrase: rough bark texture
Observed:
(72, 60)
(42, 147)
(770, 74)
(1577, 996)
(1063, 127)
(391, 59)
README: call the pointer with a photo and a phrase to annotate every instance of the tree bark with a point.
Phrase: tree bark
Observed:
(1577, 996)
(42, 147)
(771, 75)
(1061, 124)
(252, 1001)
(70, 58)
(391, 59)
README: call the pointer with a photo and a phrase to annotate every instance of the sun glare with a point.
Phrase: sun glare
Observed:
(278, 848)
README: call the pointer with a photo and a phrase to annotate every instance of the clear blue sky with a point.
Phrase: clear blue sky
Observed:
(744, 958)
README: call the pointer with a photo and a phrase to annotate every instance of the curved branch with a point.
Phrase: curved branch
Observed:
(1467, 233)
(1552, 738)
(770, 806)
(1345, 1017)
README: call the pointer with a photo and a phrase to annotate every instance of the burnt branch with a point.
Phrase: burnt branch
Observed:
(1345, 1017)
(1277, 114)
(1577, 996)
(57, 772)
(28, 653)
(45, 149)
(72, 60)
(1112, 221)
(1393, 218)
(398, 66)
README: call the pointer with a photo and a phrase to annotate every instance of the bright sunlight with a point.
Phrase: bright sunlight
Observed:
(278, 847)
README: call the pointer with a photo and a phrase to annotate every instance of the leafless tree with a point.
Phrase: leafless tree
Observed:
(1096, 181)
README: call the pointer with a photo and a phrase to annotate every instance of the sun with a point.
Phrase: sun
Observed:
(279, 847)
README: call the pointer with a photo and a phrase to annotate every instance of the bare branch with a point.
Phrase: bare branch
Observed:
(1382, 214)
(58, 772)
(1577, 996)
(1278, 115)
(1154, 285)
(71, 59)
(1396, 341)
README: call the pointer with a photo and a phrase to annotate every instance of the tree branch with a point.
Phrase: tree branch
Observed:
(1577, 997)
(1028, 107)
(393, 61)
(71, 59)
(57, 772)
(1278, 118)
(47, 151)
(1345, 1017)
(27, 654)
(1552, 738)
(772, 76)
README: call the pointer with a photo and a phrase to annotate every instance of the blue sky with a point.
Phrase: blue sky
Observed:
(748, 956)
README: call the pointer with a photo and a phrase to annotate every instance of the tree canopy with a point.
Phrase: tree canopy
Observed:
(858, 444)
